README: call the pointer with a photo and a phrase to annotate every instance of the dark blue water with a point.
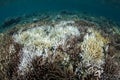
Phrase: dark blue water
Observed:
(107, 8)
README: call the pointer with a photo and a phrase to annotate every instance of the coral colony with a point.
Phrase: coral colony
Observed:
(39, 40)
(61, 48)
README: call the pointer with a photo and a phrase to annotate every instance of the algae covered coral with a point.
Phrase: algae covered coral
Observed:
(59, 47)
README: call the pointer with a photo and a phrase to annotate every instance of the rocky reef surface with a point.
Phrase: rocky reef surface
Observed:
(62, 46)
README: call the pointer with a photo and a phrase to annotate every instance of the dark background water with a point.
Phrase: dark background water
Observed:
(106, 8)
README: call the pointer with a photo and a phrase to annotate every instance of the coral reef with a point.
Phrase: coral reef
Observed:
(37, 41)
(92, 47)
(9, 57)
(93, 51)
(65, 46)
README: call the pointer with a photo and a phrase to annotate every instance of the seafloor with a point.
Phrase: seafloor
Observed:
(59, 46)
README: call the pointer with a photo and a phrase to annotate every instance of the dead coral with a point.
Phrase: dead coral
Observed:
(92, 50)
(111, 69)
(39, 40)
(84, 23)
(8, 57)
(80, 57)
(46, 71)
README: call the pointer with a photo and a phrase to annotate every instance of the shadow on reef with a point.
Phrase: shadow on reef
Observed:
(9, 23)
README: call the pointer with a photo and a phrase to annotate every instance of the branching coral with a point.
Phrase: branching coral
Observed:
(8, 56)
(92, 47)
(46, 35)
(53, 48)
(39, 40)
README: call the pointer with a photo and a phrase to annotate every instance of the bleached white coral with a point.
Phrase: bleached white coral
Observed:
(92, 47)
(11, 48)
(93, 52)
(40, 38)
(28, 53)
(46, 35)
